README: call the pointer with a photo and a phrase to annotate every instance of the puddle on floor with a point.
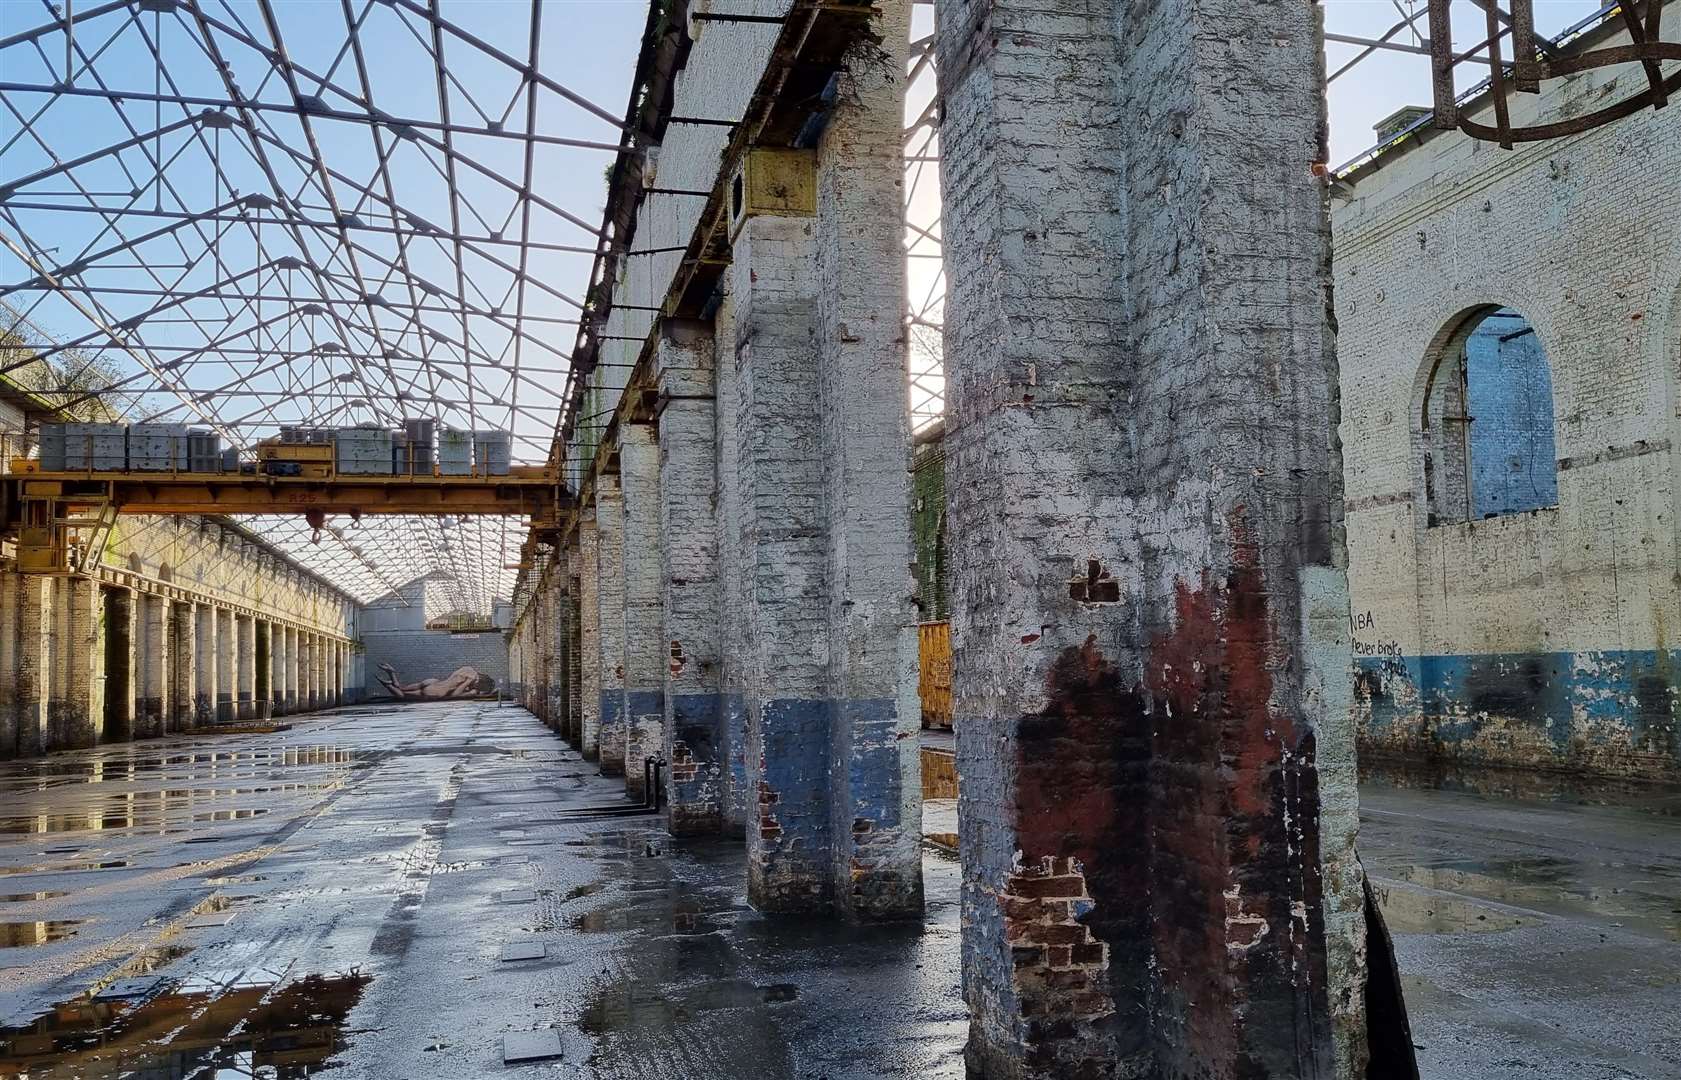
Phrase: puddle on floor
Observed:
(627, 1007)
(252, 1030)
(22, 935)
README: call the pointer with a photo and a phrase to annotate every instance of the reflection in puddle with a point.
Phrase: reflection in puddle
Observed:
(218, 764)
(155, 959)
(1410, 911)
(19, 935)
(57, 868)
(627, 1007)
(1527, 786)
(112, 820)
(253, 1030)
(459, 867)
(27, 897)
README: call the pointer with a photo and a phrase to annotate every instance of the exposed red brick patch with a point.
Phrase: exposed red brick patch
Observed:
(1177, 820)
(769, 827)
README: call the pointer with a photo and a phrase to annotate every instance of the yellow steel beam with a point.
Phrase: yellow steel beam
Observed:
(228, 493)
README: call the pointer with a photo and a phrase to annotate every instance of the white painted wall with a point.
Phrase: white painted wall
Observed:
(1547, 637)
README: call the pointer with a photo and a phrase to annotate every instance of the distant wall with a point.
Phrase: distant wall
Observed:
(433, 654)
(1543, 632)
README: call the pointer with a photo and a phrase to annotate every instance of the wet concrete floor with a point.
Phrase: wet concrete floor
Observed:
(399, 892)
(392, 891)
(1537, 922)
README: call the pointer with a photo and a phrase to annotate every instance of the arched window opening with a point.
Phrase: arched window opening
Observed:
(1488, 422)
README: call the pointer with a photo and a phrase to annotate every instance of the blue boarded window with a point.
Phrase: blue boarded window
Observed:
(1489, 422)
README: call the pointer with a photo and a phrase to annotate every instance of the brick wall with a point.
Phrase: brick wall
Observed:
(1545, 638)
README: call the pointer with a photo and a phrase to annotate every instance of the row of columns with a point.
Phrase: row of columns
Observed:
(84, 663)
(1150, 608)
(537, 653)
(736, 599)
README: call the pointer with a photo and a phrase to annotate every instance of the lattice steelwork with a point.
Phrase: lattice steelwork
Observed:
(925, 270)
(248, 213)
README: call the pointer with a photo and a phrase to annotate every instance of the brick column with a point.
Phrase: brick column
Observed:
(695, 745)
(37, 655)
(560, 621)
(646, 650)
(209, 649)
(78, 714)
(741, 800)
(157, 664)
(784, 555)
(1144, 524)
(272, 670)
(11, 633)
(289, 681)
(542, 652)
(531, 661)
(589, 637)
(122, 670)
(575, 696)
(610, 580)
(308, 691)
(183, 680)
(227, 665)
(245, 707)
(875, 768)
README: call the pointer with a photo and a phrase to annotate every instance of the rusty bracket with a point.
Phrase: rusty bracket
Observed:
(1535, 61)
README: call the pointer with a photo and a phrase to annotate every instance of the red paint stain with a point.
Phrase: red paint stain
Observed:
(1170, 796)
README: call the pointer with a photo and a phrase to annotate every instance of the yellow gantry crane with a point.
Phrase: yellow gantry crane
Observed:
(62, 516)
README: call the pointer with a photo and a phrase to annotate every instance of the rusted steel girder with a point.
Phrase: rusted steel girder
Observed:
(1531, 65)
